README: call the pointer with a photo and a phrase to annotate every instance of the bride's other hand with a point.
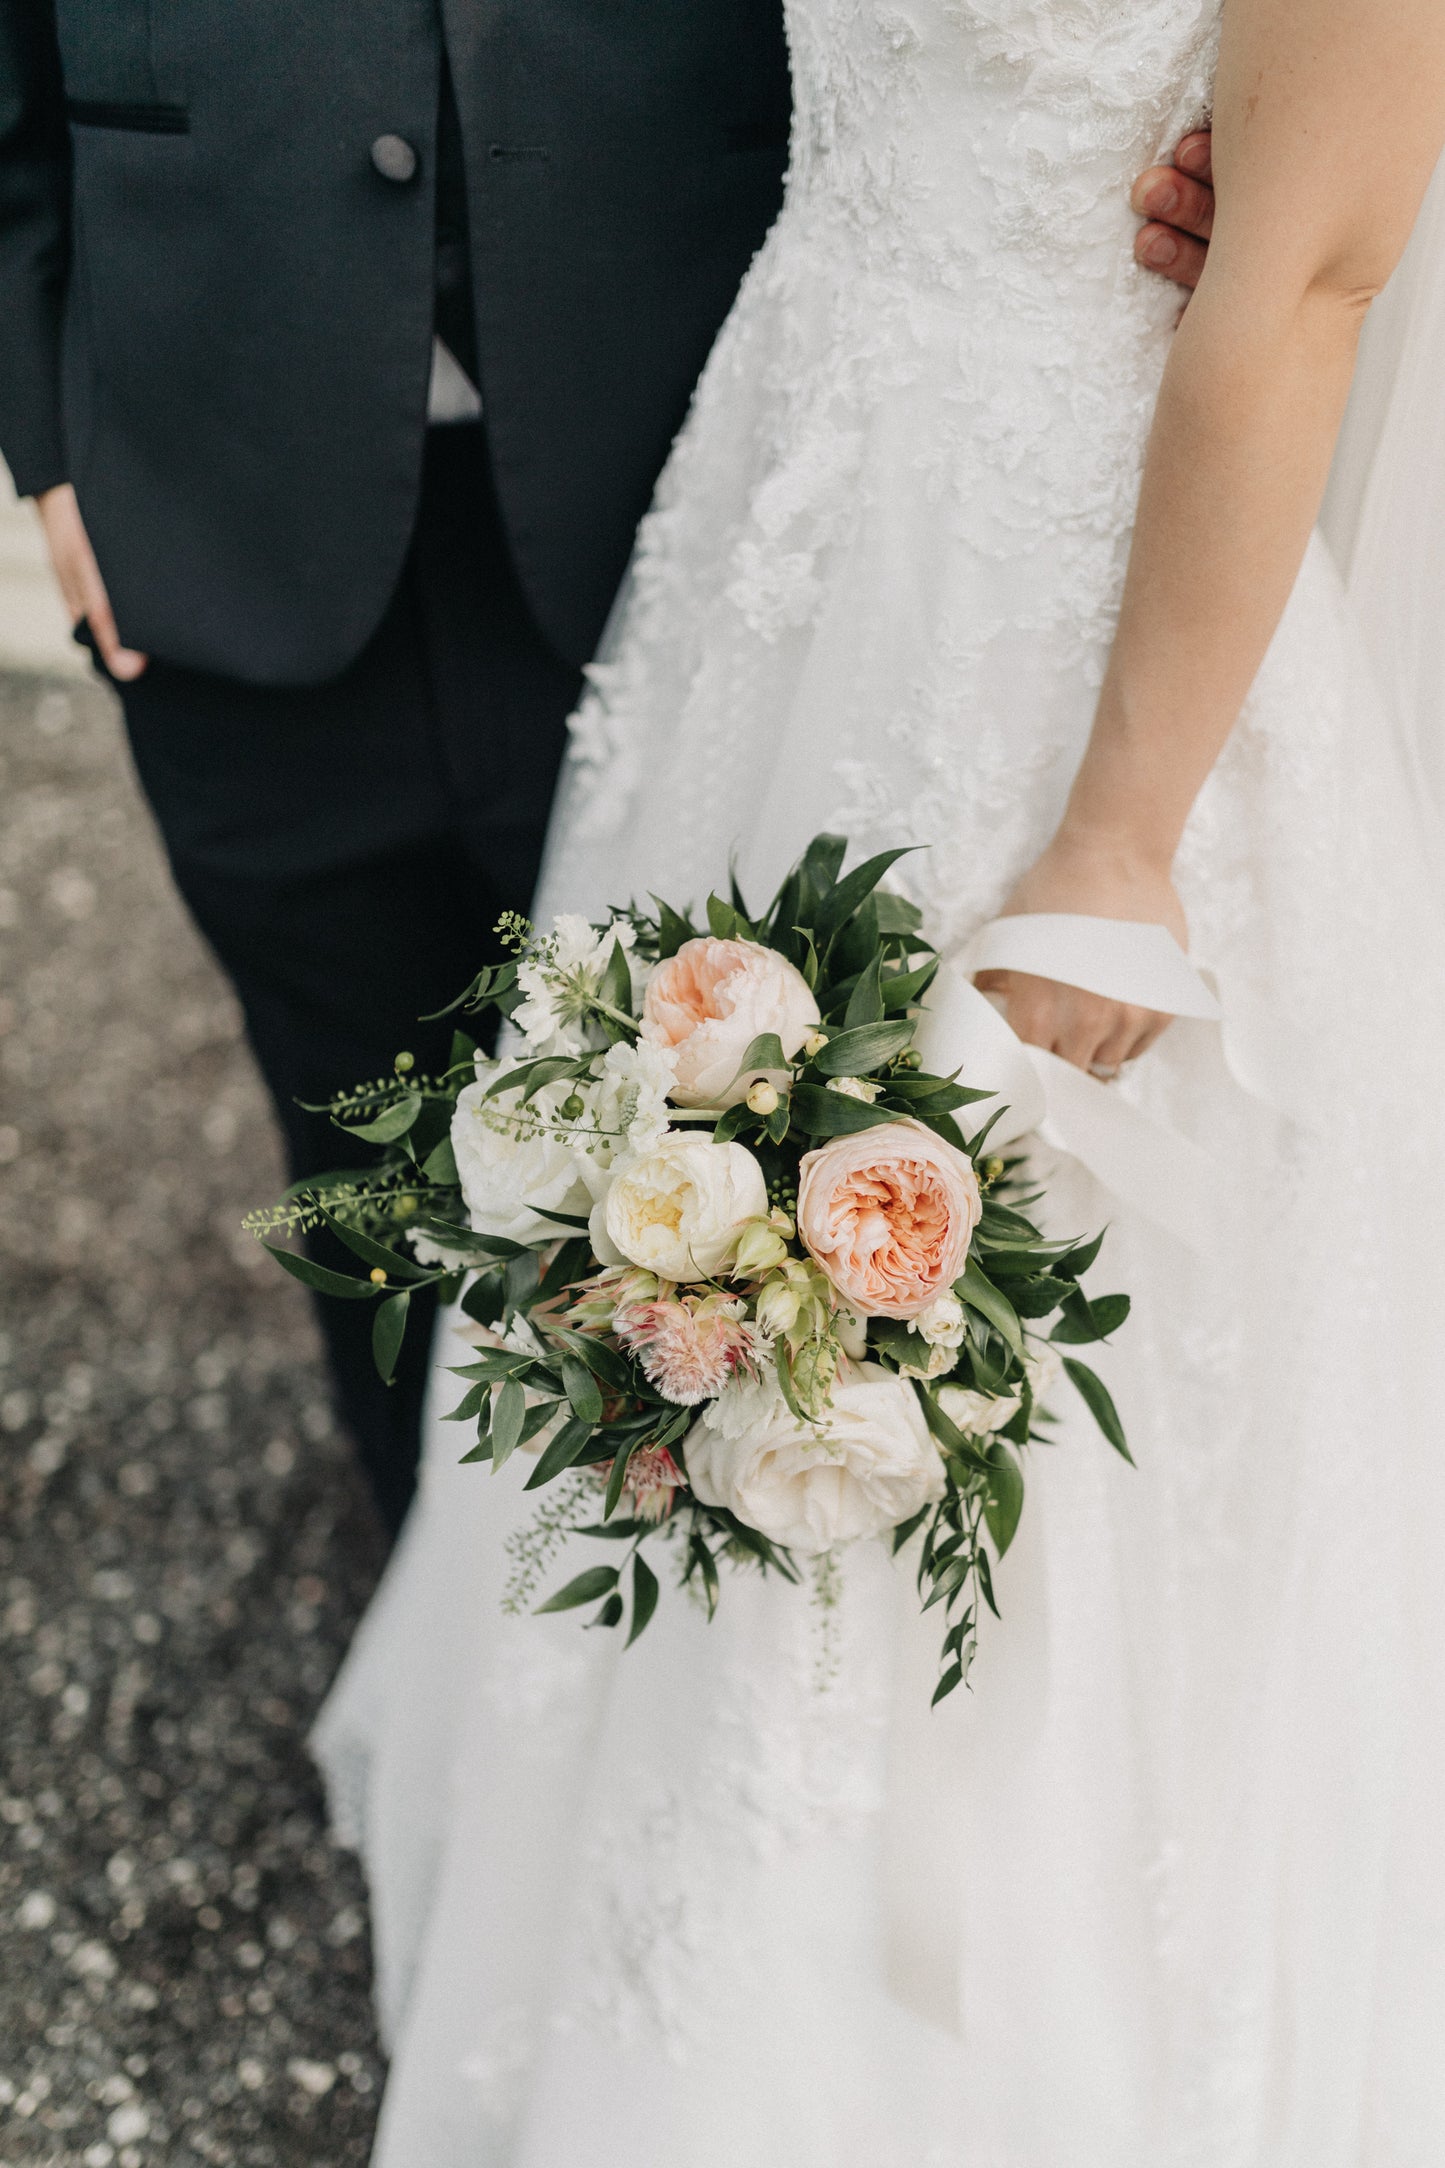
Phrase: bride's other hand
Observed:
(1093, 877)
(1177, 203)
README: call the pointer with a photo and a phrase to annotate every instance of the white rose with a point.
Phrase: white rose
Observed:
(943, 1323)
(855, 1087)
(512, 1164)
(679, 1209)
(929, 1362)
(870, 1464)
(710, 1001)
(978, 1415)
(1044, 1365)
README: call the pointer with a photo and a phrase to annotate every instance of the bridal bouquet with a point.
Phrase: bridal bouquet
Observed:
(737, 1275)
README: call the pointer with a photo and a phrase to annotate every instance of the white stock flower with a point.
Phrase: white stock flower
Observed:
(512, 1163)
(561, 978)
(629, 1110)
(978, 1415)
(678, 1210)
(868, 1465)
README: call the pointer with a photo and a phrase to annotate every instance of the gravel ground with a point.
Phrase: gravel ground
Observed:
(184, 1548)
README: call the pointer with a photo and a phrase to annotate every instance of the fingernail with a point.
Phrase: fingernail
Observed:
(1158, 250)
(1194, 156)
(1162, 201)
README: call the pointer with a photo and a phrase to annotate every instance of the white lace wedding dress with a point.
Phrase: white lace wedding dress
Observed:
(1166, 1890)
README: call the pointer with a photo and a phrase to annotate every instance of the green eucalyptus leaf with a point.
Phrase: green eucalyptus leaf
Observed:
(617, 980)
(1076, 1262)
(672, 929)
(896, 914)
(610, 1614)
(440, 1165)
(617, 1480)
(865, 1003)
(465, 1242)
(904, 989)
(561, 1451)
(390, 1125)
(470, 1406)
(978, 1292)
(509, 1413)
(585, 1588)
(1099, 1402)
(844, 899)
(388, 1330)
(766, 1052)
(372, 1252)
(320, 1277)
(582, 1391)
(821, 1113)
(1087, 1319)
(644, 1596)
(951, 1678)
(700, 1558)
(1005, 1504)
(722, 919)
(863, 1048)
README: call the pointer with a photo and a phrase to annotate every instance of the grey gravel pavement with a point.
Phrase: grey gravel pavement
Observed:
(184, 1548)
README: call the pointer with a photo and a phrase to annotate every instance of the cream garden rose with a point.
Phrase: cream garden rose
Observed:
(868, 1465)
(710, 1001)
(679, 1210)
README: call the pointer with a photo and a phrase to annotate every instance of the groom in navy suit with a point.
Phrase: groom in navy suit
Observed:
(341, 342)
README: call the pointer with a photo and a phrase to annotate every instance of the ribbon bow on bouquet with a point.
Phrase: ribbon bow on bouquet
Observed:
(1142, 1161)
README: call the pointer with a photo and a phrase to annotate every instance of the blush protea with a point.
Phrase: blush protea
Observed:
(689, 1346)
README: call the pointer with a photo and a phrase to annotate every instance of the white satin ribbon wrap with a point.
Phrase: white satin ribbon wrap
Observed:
(1147, 1166)
(1140, 1161)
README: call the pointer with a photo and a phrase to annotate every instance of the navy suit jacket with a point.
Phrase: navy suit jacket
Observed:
(217, 292)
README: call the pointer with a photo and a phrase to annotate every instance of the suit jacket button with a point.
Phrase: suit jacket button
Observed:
(394, 158)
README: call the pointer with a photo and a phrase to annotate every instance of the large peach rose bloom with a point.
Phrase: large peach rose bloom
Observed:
(709, 1002)
(888, 1214)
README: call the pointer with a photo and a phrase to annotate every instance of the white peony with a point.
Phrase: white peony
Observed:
(512, 1163)
(868, 1465)
(978, 1415)
(560, 980)
(679, 1209)
(710, 1001)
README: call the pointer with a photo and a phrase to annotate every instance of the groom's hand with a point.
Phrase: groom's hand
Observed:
(1178, 204)
(74, 565)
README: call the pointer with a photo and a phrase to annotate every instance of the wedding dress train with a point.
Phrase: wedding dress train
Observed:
(1165, 1891)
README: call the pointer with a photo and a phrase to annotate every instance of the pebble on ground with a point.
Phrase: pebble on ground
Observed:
(184, 1546)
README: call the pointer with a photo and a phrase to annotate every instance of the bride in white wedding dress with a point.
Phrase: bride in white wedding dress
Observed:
(1166, 1890)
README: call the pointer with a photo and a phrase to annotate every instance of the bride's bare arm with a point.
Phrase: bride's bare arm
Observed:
(1329, 117)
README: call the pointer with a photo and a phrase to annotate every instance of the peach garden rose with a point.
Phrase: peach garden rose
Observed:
(708, 1003)
(888, 1214)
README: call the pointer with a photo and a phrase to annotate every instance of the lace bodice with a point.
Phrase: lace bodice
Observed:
(976, 134)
